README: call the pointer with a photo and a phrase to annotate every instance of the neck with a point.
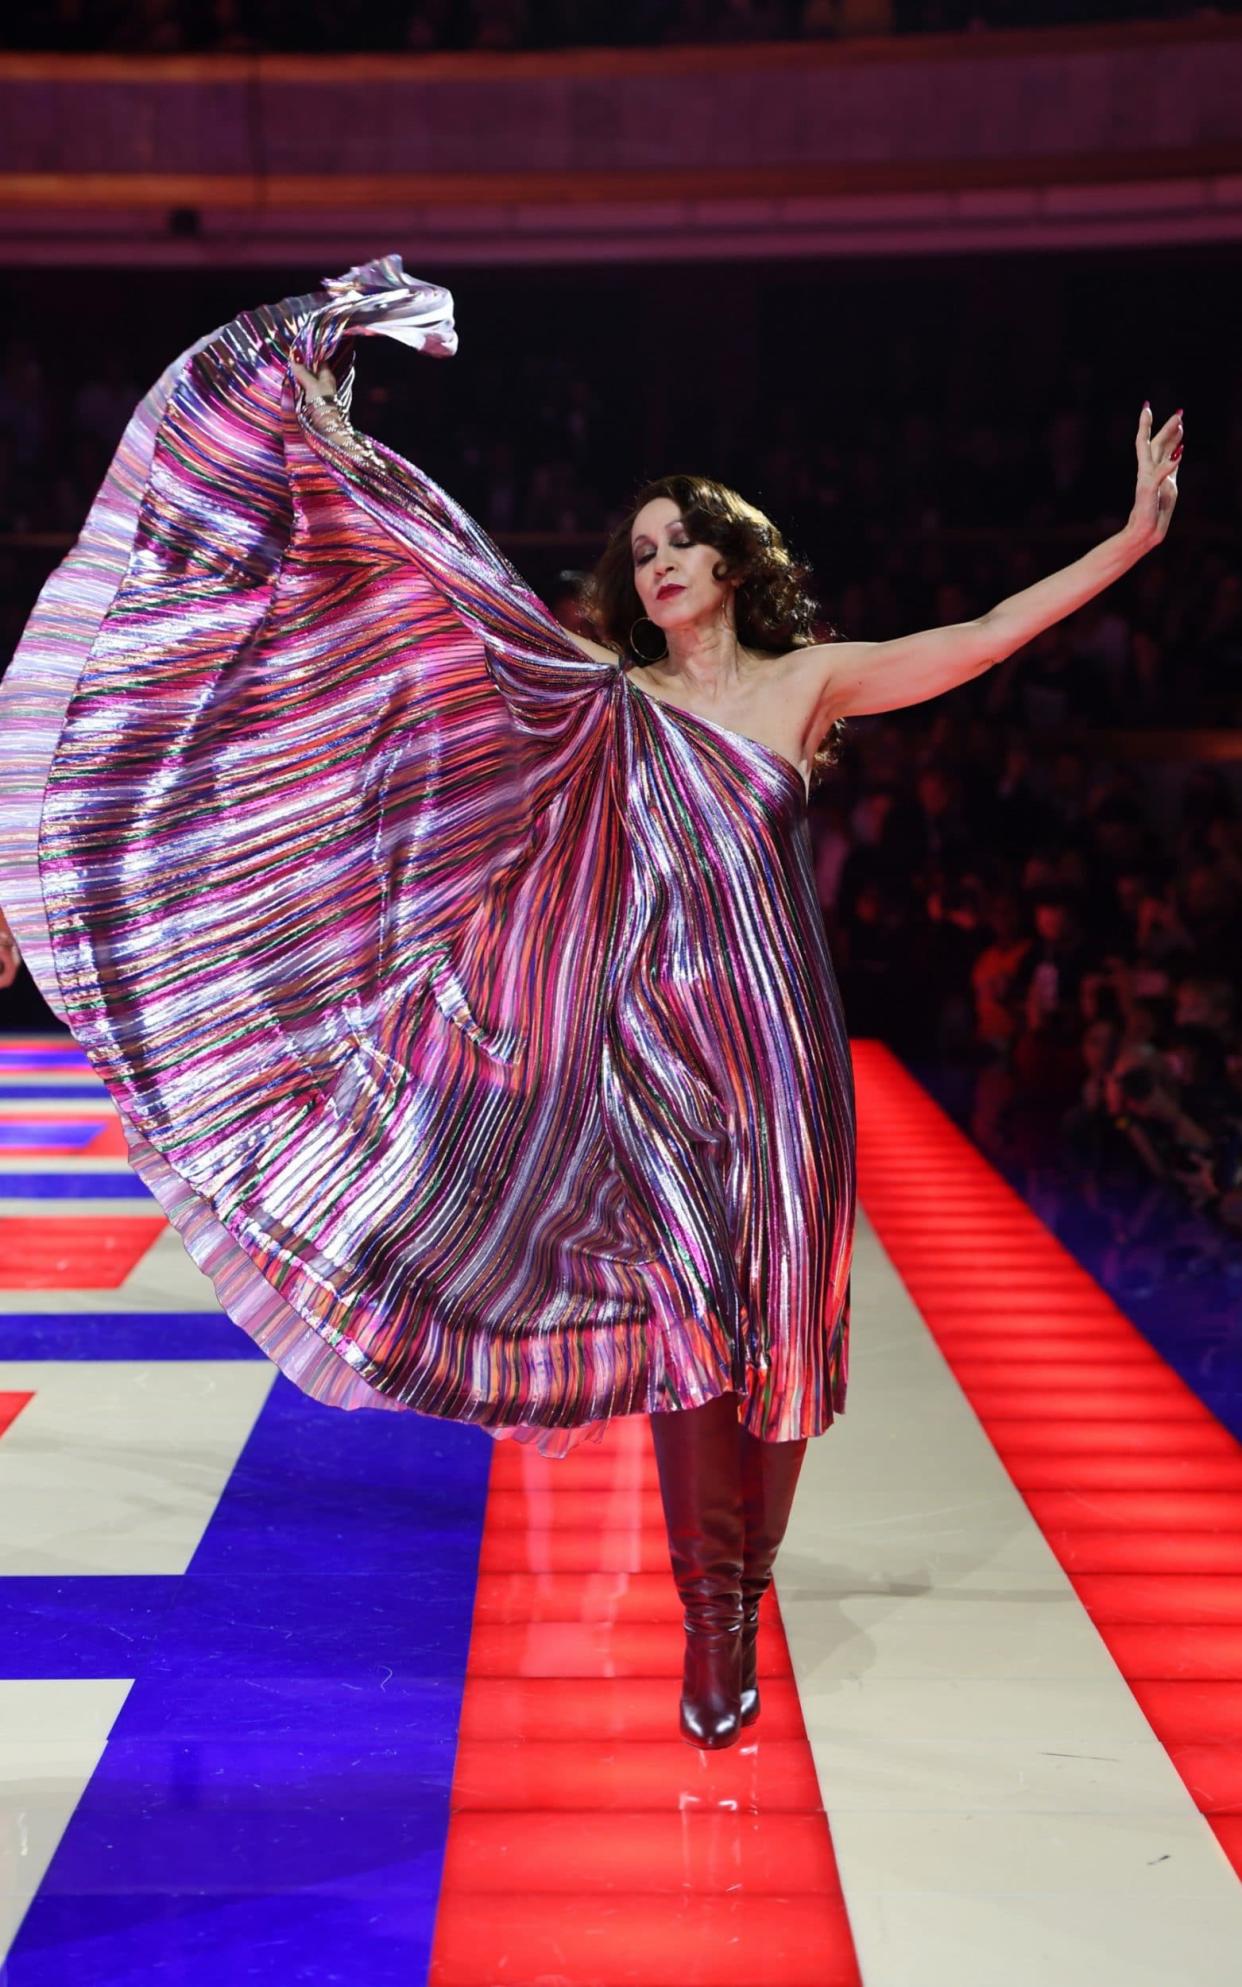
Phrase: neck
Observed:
(707, 657)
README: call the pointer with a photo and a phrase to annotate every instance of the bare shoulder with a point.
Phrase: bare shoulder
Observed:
(813, 676)
(822, 670)
(596, 651)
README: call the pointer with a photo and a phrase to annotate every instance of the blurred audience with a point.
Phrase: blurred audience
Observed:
(882, 494)
(229, 27)
(1086, 981)
(1072, 919)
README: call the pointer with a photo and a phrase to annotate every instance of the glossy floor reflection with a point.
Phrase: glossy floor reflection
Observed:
(588, 1842)
(1000, 1662)
(233, 1626)
(292, 1696)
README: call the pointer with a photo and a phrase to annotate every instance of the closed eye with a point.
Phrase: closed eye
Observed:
(678, 544)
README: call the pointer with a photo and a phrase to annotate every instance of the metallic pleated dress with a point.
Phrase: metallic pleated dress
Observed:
(468, 1010)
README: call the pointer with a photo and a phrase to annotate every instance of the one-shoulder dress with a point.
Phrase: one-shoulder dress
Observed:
(467, 1009)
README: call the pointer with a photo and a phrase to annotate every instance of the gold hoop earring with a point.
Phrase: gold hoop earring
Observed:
(634, 645)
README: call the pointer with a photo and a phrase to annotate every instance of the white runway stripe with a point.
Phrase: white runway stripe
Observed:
(44, 1079)
(52, 1733)
(116, 1466)
(25, 1110)
(1001, 1812)
(121, 1207)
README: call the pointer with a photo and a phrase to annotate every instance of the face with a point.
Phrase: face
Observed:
(1200, 1006)
(1131, 890)
(663, 556)
(1183, 1062)
(1051, 921)
(1140, 1025)
(871, 814)
(1037, 871)
(1205, 892)
(1098, 1044)
(933, 791)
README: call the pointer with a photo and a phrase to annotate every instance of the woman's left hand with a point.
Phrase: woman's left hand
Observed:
(1159, 458)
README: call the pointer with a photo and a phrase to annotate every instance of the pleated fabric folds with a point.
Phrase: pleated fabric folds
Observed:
(467, 1010)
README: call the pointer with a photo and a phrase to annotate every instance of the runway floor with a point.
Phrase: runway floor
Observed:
(294, 1696)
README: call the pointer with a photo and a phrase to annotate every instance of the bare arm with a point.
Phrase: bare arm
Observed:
(594, 650)
(859, 678)
(327, 419)
(10, 954)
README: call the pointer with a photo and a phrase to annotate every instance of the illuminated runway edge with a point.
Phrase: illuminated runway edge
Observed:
(296, 1696)
(1012, 1591)
(589, 1843)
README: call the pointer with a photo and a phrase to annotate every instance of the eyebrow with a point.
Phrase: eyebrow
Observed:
(645, 538)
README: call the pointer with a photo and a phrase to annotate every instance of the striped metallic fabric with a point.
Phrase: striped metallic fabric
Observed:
(467, 1008)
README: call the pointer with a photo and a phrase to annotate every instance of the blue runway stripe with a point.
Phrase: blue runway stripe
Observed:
(17, 1184)
(27, 1093)
(23, 1059)
(123, 1335)
(290, 1739)
(334, 1913)
(63, 1134)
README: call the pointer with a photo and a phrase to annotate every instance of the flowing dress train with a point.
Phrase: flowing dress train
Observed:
(468, 1009)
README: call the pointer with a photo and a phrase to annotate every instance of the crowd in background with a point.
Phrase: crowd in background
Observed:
(1035, 923)
(244, 26)
(912, 512)
(1073, 928)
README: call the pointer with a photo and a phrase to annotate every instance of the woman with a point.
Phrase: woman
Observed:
(464, 997)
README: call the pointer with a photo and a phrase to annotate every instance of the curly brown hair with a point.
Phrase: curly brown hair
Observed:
(773, 608)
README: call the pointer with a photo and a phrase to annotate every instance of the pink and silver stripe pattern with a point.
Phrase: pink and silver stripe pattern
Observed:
(468, 1010)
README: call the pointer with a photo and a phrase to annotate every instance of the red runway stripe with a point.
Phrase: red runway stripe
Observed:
(588, 1845)
(63, 1044)
(1134, 1483)
(11, 1405)
(65, 1252)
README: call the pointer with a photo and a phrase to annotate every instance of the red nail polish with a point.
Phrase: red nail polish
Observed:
(1177, 451)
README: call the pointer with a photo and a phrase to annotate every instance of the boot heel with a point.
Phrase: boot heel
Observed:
(699, 1467)
(711, 1688)
(749, 1697)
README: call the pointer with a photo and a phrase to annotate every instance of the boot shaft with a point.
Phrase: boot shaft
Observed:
(698, 1462)
(699, 1466)
(769, 1477)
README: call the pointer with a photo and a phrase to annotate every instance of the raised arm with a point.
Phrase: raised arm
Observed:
(10, 955)
(327, 417)
(859, 678)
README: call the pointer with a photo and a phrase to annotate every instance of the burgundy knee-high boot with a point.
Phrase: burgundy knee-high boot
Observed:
(769, 1480)
(698, 1462)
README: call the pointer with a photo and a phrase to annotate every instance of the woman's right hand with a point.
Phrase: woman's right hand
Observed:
(10, 955)
(317, 385)
(327, 418)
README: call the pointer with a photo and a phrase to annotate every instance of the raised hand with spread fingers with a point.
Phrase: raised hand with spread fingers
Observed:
(1159, 458)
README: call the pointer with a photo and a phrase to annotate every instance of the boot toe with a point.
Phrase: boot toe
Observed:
(711, 1731)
